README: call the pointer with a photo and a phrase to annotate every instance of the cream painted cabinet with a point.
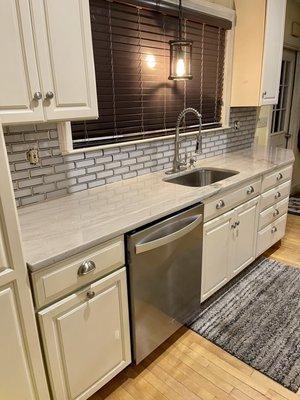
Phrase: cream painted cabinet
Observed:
(244, 236)
(229, 245)
(64, 47)
(79, 364)
(258, 47)
(22, 373)
(217, 240)
(47, 73)
(19, 79)
(15, 376)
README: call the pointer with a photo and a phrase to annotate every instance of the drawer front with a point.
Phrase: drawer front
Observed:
(272, 213)
(274, 195)
(275, 178)
(224, 202)
(77, 271)
(271, 234)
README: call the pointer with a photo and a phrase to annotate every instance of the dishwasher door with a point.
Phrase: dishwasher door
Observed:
(164, 263)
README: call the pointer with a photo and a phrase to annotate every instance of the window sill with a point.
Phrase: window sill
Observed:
(68, 149)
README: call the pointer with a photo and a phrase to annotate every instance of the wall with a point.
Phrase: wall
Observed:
(57, 175)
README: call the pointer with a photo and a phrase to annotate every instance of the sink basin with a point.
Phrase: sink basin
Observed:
(201, 177)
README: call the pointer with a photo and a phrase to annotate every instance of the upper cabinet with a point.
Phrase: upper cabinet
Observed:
(20, 88)
(48, 73)
(258, 49)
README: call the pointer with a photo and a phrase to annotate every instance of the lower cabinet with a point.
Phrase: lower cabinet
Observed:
(15, 375)
(271, 234)
(229, 243)
(86, 337)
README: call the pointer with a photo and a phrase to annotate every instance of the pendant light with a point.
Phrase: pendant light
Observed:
(180, 53)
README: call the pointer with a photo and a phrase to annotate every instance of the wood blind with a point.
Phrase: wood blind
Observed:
(135, 99)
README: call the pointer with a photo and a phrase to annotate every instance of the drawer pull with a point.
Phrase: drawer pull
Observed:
(274, 229)
(277, 195)
(279, 176)
(250, 190)
(90, 294)
(275, 213)
(86, 267)
(220, 204)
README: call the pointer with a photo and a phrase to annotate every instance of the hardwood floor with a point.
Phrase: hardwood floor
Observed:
(189, 367)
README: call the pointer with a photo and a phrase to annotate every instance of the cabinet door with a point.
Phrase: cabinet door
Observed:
(86, 338)
(244, 238)
(217, 242)
(64, 46)
(273, 47)
(18, 68)
(15, 376)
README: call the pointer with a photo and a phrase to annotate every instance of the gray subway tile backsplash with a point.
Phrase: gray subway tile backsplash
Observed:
(58, 175)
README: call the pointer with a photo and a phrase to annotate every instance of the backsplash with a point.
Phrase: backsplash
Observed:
(57, 175)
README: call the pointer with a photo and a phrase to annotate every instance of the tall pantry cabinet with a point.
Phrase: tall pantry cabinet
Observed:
(22, 371)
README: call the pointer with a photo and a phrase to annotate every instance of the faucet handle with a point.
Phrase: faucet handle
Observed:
(192, 162)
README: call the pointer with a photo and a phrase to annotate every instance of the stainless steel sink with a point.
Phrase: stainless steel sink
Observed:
(201, 177)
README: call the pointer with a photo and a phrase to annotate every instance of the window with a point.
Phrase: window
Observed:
(281, 111)
(131, 51)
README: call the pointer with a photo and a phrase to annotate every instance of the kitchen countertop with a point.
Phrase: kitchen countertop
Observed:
(56, 229)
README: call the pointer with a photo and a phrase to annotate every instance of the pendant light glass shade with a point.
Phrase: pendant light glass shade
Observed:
(180, 53)
(180, 59)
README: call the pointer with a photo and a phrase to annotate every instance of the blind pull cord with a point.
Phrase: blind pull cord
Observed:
(112, 69)
(217, 76)
(141, 72)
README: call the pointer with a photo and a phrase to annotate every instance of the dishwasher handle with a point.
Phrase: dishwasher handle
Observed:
(142, 247)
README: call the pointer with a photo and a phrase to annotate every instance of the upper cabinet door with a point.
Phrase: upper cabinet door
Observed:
(65, 52)
(20, 91)
(273, 47)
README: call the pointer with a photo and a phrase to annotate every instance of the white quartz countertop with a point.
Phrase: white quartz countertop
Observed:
(56, 229)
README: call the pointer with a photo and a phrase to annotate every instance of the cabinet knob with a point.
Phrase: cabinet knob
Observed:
(37, 96)
(275, 213)
(86, 267)
(274, 229)
(250, 190)
(237, 223)
(277, 195)
(220, 204)
(49, 95)
(264, 94)
(90, 294)
(279, 176)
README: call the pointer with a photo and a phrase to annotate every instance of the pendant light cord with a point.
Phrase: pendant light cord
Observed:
(180, 20)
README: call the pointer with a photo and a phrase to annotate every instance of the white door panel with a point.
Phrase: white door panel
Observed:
(273, 46)
(18, 68)
(65, 52)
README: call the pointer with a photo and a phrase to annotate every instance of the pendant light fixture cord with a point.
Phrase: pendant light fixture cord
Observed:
(180, 20)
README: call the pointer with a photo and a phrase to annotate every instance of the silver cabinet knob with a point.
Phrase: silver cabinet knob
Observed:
(220, 204)
(233, 226)
(49, 95)
(279, 176)
(86, 267)
(277, 195)
(90, 294)
(37, 96)
(275, 213)
(250, 190)
(274, 229)
(237, 223)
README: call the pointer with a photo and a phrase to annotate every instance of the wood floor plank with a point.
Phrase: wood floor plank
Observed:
(189, 367)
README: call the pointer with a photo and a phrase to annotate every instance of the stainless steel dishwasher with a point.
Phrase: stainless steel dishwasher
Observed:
(164, 265)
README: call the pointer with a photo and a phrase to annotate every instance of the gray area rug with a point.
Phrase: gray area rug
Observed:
(257, 320)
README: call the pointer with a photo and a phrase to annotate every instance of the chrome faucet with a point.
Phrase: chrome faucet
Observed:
(178, 164)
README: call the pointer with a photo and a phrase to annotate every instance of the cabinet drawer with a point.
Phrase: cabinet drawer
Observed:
(274, 195)
(224, 202)
(62, 278)
(274, 178)
(271, 234)
(86, 337)
(272, 213)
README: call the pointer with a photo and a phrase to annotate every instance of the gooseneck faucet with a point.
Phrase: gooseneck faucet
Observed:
(178, 164)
